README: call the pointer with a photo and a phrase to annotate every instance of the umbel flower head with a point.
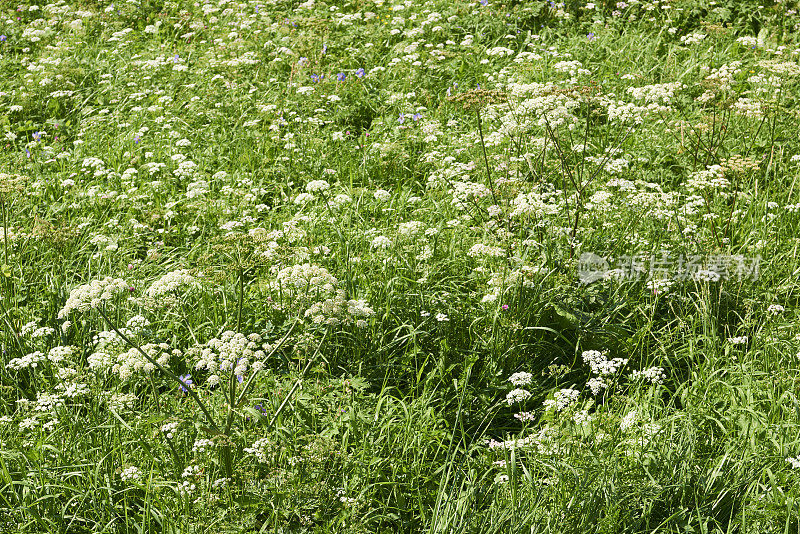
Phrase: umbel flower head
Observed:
(93, 295)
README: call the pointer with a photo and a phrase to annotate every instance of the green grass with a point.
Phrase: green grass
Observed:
(320, 279)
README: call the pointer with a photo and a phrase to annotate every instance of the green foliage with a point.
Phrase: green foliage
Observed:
(463, 267)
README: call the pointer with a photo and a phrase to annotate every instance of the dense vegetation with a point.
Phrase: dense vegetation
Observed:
(448, 266)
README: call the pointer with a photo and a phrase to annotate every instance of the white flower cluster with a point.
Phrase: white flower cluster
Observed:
(169, 429)
(131, 361)
(775, 309)
(545, 441)
(29, 360)
(711, 178)
(410, 228)
(93, 295)
(520, 379)
(481, 250)
(465, 194)
(171, 283)
(304, 280)
(751, 42)
(381, 195)
(336, 310)
(517, 395)
(794, 462)
(381, 242)
(60, 353)
(191, 471)
(535, 204)
(260, 449)
(231, 352)
(137, 322)
(660, 93)
(692, 38)
(131, 473)
(562, 400)
(599, 363)
(654, 375)
(107, 344)
(601, 366)
(202, 445)
(315, 186)
(122, 401)
(749, 107)
(47, 402)
(314, 288)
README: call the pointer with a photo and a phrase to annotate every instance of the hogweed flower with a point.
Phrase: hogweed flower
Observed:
(93, 295)
(520, 379)
(517, 395)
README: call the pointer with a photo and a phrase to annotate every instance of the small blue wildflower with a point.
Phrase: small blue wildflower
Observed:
(361, 73)
(402, 118)
(187, 380)
(341, 76)
(416, 116)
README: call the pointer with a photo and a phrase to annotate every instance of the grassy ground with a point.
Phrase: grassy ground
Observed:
(444, 266)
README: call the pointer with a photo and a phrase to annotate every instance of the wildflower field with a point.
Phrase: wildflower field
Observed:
(379, 266)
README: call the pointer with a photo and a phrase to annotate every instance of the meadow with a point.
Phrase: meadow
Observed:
(372, 266)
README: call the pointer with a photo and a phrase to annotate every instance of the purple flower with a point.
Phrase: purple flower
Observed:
(341, 76)
(416, 116)
(3, 38)
(324, 48)
(136, 139)
(504, 306)
(590, 36)
(402, 118)
(361, 73)
(187, 380)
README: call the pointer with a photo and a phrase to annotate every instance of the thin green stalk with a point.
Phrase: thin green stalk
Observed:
(161, 368)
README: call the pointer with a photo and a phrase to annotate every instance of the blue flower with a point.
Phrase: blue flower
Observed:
(361, 73)
(186, 379)
(3, 38)
(402, 118)
(416, 116)
(341, 76)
